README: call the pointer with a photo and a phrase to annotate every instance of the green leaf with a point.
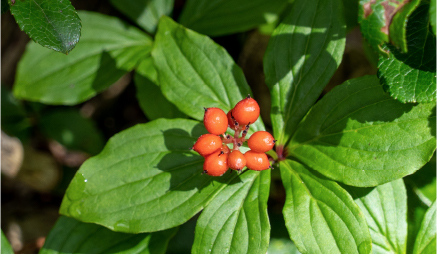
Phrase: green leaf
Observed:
(236, 221)
(398, 26)
(221, 17)
(72, 130)
(194, 72)
(145, 13)
(146, 179)
(359, 135)
(321, 217)
(432, 16)
(385, 210)
(425, 241)
(350, 12)
(149, 95)
(51, 23)
(108, 49)
(4, 6)
(302, 55)
(410, 77)
(5, 245)
(282, 246)
(14, 119)
(72, 236)
(423, 182)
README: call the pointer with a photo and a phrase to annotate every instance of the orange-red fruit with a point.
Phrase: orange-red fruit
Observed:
(261, 141)
(236, 160)
(256, 161)
(225, 149)
(207, 144)
(230, 120)
(215, 121)
(216, 164)
(246, 111)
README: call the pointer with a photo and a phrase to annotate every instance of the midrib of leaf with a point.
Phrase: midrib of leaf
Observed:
(48, 21)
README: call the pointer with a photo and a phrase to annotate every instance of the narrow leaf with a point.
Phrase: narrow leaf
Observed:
(5, 245)
(398, 27)
(426, 238)
(72, 236)
(146, 179)
(385, 210)
(320, 216)
(145, 13)
(359, 135)
(51, 23)
(302, 55)
(236, 221)
(108, 49)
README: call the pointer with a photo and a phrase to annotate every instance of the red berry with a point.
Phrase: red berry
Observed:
(256, 161)
(215, 121)
(216, 164)
(207, 144)
(261, 141)
(225, 149)
(246, 111)
(236, 160)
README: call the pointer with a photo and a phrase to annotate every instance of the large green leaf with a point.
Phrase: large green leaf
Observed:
(221, 17)
(145, 13)
(398, 27)
(146, 179)
(426, 238)
(53, 24)
(5, 245)
(302, 55)
(359, 135)
(236, 221)
(411, 77)
(320, 216)
(385, 210)
(72, 236)
(107, 49)
(149, 95)
(194, 72)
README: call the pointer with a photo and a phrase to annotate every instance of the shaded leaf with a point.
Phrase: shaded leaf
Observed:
(108, 49)
(5, 245)
(432, 16)
(426, 238)
(398, 27)
(423, 182)
(359, 135)
(51, 23)
(14, 119)
(236, 221)
(320, 216)
(4, 6)
(302, 55)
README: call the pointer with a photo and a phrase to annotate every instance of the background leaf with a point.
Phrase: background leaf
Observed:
(221, 17)
(398, 26)
(359, 135)
(51, 23)
(411, 77)
(4, 6)
(432, 16)
(14, 119)
(236, 221)
(72, 236)
(108, 49)
(146, 179)
(302, 55)
(320, 216)
(423, 182)
(282, 246)
(425, 241)
(5, 245)
(385, 210)
(149, 95)
(145, 13)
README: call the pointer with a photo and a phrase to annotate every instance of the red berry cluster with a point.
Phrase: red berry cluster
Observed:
(218, 157)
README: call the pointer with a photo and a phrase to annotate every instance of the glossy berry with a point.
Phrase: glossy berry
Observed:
(207, 144)
(246, 111)
(261, 141)
(256, 161)
(216, 164)
(215, 121)
(236, 160)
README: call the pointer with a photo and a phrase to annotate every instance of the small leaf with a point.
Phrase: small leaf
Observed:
(72, 236)
(359, 135)
(146, 179)
(426, 238)
(222, 17)
(145, 13)
(411, 77)
(149, 95)
(302, 55)
(320, 216)
(385, 210)
(51, 23)
(398, 27)
(108, 49)
(5, 245)
(236, 221)
(194, 72)
(432, 16)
